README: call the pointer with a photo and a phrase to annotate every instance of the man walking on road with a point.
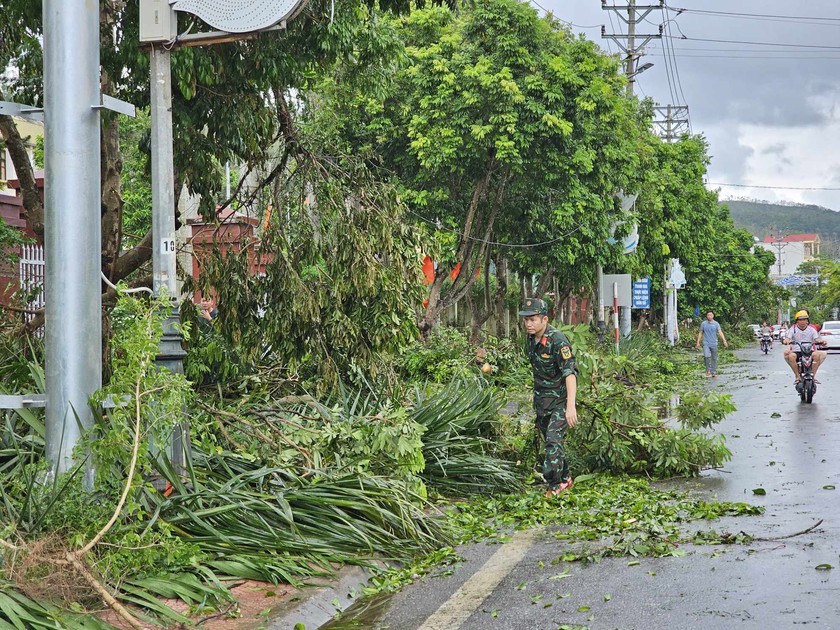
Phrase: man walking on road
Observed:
(709, 332)
(555, 390)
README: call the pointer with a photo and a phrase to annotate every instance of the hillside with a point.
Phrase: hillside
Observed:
(763, 218)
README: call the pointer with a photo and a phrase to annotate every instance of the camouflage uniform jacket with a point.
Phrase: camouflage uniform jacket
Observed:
(552, 361)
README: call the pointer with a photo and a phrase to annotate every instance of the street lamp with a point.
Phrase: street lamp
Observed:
(640, 69)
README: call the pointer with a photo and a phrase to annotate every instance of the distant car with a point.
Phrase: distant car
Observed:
(830, 331)
(755, 328)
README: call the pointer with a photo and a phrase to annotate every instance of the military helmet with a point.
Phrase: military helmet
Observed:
(533, 306)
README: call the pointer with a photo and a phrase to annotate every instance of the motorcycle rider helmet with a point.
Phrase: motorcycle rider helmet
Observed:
(802, 315)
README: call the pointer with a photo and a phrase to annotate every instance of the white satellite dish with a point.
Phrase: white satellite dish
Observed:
(240, 16)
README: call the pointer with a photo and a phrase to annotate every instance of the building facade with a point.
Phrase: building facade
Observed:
(790, 251)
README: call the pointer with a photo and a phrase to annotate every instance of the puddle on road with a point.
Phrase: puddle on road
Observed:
(365, 613)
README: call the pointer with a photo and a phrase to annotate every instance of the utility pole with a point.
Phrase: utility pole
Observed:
(71, 224)
(627, 42)
(671, 121)
(779, 244)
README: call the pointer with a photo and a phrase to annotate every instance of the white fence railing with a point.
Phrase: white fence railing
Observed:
(31, 275)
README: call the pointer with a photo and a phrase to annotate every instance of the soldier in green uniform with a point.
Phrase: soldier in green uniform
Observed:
(555, 390)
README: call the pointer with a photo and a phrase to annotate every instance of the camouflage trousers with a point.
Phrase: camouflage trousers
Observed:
(551, 422)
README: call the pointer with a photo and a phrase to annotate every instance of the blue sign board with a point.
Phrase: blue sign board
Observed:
(641, 293)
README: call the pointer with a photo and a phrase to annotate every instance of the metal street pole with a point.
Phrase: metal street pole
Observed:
(164, 274)
(164, 268)
(163, 178)
(602, 324)
(71, 223)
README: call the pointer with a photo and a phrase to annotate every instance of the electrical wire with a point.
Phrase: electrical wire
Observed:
(668, 71)
(538, 5)
(119, 290)
(676, 67)
(752, 57)
(772, 187)
(820, 19)
(748, 43)
(612, 28)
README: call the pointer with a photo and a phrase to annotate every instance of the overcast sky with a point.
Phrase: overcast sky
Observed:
(769, 111)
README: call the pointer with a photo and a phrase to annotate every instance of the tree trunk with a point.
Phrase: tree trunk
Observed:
(33, 207)
(501, 294)
(480, 313)
(545, 283)
(112, 202)
(527, 286)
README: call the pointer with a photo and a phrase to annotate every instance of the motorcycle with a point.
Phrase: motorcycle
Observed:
(765, 343)
(806, 386)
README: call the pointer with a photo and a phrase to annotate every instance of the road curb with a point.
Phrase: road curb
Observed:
(313, 606)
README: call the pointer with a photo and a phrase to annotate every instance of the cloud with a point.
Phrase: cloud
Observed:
(770, 112)
(777, 149)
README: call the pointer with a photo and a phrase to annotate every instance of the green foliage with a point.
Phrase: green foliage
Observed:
(135, 143)
(499, 122)
(732, 290)
(446, 355)
(265, 523)
(357, 436)
(390, 580)
(698, 410)
(137, 328)
(619, 429)
(38, 152)
(342, 277)
(462, 448)
(211, 359)
(602, 516)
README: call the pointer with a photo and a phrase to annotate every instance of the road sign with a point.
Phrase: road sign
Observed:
(625, 291)
(641, 293)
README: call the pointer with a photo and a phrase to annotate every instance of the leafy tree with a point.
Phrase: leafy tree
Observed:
(342, 276)
(730, 279)
(679, 218)
(501, 128)
(818, 298)
(226, 98)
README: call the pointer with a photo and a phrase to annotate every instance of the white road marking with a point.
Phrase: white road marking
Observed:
(466, 600)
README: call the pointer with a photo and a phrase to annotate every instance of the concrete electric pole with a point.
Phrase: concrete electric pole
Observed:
(779, 244)
(631, 42)
(628, 43)
(671, 121)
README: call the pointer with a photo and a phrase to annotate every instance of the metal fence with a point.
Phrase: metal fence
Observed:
(31, 276)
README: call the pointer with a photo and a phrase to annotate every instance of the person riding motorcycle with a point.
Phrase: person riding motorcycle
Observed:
(765, 331)
(801, 332)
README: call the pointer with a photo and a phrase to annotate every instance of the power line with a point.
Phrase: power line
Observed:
(675, 70)
(538, 5)
(747, 43)
(679, 10)
(666, 48)
(771, 187)
(752, 57)
(750, 50)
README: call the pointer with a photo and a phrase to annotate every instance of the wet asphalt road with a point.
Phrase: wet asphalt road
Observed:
(766, 585)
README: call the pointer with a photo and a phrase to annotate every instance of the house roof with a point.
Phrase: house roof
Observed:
(793, 238)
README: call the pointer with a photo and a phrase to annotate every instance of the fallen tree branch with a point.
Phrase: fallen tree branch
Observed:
(804, 531)
(109, 599)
